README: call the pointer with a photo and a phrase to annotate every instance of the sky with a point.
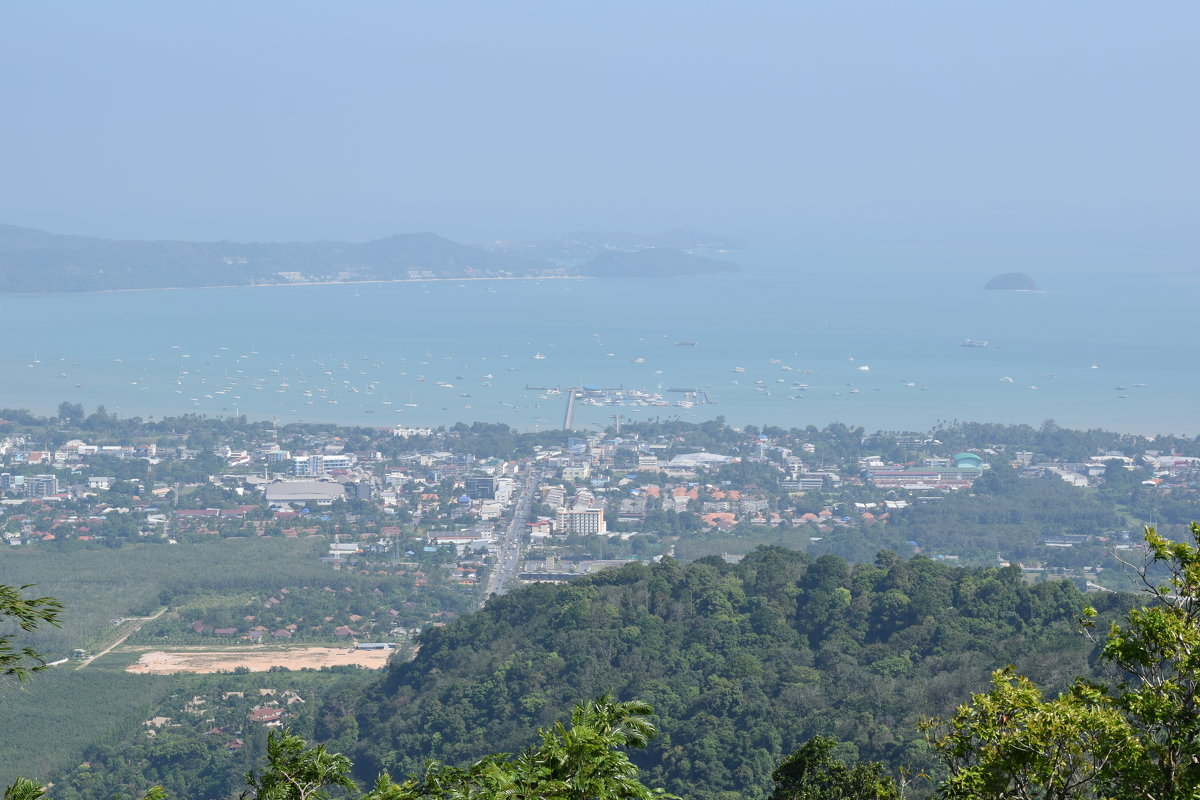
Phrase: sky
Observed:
(883, 124)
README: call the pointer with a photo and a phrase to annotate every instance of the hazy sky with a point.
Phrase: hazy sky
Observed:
(788, 121)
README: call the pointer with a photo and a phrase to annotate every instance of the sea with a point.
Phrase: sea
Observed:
(797, 337)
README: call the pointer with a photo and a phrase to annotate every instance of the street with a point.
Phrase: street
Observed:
(508, 556)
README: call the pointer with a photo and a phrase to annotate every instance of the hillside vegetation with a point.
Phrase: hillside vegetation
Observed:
(742, 664)
(36, 261)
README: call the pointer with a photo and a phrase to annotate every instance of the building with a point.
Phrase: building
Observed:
(300, 492)
(586, 521)
(480, 487)
(320, 464)
(577, 472)
(966, 461)
(41, 486)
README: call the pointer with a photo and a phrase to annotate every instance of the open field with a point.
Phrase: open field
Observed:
(160, 662)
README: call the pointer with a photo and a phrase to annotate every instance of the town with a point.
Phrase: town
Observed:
(474, 510)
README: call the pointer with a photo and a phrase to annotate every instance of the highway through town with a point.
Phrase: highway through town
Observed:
(508, 552)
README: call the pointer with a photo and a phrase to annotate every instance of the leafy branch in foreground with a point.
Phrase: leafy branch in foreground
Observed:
(1138, 738)
(295, 772)
(27, 614)
(581, 762)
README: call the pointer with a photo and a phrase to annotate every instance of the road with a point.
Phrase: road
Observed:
(132, 630)
(508, 556)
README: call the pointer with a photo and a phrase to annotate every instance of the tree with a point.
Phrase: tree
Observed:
(814, 773)
(26, 614)
(296, 772)
(1011, 742)
(1136, 738)
(71, 412)
(582, 762)
(23, 789)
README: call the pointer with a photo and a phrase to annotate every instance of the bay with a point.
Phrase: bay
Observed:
(874, 347)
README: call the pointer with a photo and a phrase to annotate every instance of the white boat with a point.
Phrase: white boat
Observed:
(539, 356)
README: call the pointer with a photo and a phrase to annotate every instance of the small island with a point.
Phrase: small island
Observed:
(1011, 282)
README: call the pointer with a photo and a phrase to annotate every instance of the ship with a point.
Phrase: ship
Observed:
(685, 344)
(975, 343)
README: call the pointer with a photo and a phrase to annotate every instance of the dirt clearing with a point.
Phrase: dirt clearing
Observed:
(160, 662)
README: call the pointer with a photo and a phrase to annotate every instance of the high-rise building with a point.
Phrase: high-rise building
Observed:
(480, 487)
(580, 521)
(41, 486)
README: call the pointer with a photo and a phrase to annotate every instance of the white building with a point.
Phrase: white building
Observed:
(584, 521)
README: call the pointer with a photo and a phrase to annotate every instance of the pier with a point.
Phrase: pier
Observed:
(569, 419)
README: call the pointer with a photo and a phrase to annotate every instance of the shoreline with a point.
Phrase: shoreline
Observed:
(303, 283)
(339, 283)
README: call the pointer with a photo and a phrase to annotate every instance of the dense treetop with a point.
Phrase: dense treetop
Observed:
(742, 663)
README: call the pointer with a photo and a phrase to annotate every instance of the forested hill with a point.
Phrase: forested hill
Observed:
(33, 261)
(742, 663)
(36, 261)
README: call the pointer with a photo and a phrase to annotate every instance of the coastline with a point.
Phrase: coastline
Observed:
(301, 283)
(326, 283)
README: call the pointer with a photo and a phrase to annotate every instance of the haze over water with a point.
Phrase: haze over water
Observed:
(904, 154)
(874, 347)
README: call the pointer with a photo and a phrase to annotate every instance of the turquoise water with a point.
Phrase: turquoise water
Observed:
(359, 350)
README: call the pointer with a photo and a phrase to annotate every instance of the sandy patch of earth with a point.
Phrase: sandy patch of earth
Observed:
(160, 662)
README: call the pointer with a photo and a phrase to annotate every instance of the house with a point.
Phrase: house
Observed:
(266, 715)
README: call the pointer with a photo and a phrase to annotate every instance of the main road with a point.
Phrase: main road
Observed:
(508, 553)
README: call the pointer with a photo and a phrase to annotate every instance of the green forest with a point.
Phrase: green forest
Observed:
(742, 663)
(782, 676)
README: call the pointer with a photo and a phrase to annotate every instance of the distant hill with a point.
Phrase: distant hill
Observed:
(742, 663)
(674, 252)
(36, 261)
(1011, 282)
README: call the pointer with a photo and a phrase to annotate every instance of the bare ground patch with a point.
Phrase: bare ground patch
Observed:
(163, 662)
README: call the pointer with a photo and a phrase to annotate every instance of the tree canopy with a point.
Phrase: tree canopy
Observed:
(1136, 736)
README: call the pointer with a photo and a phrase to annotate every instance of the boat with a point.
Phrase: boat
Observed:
(539, 356)
(685, 344)
(975, 343)
(1006, 379)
